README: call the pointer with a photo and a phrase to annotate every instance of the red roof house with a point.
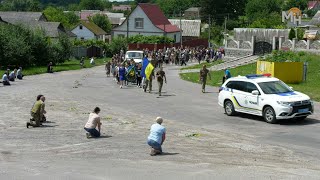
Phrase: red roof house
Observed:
(147, 19)
(313, 5)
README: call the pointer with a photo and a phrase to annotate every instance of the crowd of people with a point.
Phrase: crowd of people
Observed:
(8, 76)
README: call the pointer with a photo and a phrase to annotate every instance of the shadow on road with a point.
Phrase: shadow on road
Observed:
(285, 122)
(168, 154)
(48, 126)
(104, 136)
(294, 122)
(209, 92)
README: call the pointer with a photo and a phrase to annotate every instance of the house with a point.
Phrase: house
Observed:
(311, 34)
(86, 30)
(121, 8)
(22, 17)
(192, 13)
(147, 19)
(190, 28)
(35, 20)
(114, 18)
(315, 20)
(314, 5)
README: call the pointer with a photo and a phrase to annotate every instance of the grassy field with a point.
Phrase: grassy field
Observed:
(198, 66)
(68, 65)
(311, 87)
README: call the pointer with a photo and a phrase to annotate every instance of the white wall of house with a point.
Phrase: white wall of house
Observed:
(174, 35)
(148, 28)
(83, 33)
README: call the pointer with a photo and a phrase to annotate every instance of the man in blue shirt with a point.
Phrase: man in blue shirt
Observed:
(156, 137)
(226, 76)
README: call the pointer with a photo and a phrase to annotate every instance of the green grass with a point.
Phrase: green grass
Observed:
(66, 66)
(198, 66)
(311, 87)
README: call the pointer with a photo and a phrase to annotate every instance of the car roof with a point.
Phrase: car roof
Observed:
(254, 79)
(135, 51)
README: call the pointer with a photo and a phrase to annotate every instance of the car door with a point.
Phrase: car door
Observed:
(239, 95)
(253, 101)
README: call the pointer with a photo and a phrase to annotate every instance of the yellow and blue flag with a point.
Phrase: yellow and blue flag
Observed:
(149, 70)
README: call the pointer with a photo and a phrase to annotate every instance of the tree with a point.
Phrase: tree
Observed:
(173, 7)
(20, 5)
(221, 9)
(257, 9)
(273, 20)
(301, 4)
(102, 21)
(92, 4)
(144, 1)
(68, 19)
(292, 34)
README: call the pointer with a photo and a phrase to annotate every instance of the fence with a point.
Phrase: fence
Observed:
(191, 43)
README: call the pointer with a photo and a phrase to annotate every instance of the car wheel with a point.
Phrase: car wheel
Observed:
(269, 115)
(229, 108)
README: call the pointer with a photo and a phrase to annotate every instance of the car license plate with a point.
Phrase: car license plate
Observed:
(303, 110)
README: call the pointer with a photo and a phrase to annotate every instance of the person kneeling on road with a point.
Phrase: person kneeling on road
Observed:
(93, 122)
(37, 112)
(156, 137)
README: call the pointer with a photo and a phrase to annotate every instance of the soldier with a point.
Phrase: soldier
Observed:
(204, 72)
(149, 82)
(37, 112)
(160, 76)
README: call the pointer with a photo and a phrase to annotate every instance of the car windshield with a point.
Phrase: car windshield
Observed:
(135, 55)
(274, 87)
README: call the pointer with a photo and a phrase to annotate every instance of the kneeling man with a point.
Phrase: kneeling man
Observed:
(156, 137)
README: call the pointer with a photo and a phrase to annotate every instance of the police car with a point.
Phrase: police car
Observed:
(265, 96)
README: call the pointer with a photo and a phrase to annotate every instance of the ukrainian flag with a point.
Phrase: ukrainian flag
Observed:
(149, 70)
(145, 63)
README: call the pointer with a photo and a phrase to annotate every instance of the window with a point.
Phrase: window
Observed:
(138, 23)
(82, 38)
(80, 26)
(251, 87)
(237, 85)
(274, 87)
(175, 38)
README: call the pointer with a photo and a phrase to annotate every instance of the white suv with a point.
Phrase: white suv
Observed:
(264, 96)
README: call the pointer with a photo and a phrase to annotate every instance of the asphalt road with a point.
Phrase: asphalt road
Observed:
(61, 151)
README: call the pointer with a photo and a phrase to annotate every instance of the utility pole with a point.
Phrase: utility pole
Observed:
(180, 29)
(128, 27)
(225, 25)
(209, 44)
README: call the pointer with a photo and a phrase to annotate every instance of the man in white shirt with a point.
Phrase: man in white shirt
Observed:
(92, 61)
(93, 123)
(5, 79)
(12, 75)
(19, 73)
(156, 137)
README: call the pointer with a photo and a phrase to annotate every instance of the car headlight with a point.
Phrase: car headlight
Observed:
(284, 103)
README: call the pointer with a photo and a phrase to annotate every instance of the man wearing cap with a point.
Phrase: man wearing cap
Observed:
(156, 137)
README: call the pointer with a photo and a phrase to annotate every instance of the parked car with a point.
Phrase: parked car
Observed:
(137, 56)
(264, 96)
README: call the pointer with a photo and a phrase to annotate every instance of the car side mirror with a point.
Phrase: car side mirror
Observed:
(291, 87)
(255, 92)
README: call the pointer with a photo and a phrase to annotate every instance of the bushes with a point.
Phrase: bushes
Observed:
(150, 39)
(283, 56)
(20, 46)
